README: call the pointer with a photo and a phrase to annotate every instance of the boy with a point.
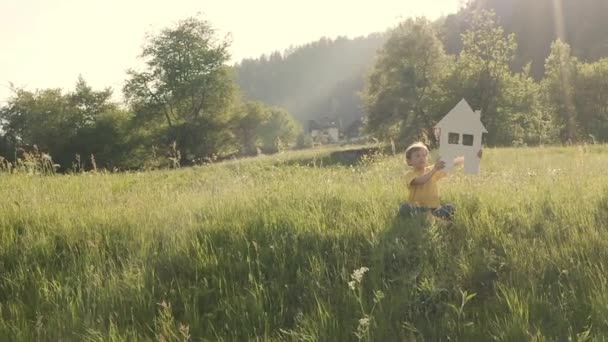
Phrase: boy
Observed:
(422, 183)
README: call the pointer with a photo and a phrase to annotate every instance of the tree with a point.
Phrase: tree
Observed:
(271, 128)
(558, 89)
(404, 92)
(591, 100)
(186, 88)
(44, 118)
(108, 139)
(89, 104)
(279, 131)
(525, 118)
(483, 71)
(81, 122)
(248, 125)
(580, 23)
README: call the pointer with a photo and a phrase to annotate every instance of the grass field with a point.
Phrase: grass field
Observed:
(271, 251)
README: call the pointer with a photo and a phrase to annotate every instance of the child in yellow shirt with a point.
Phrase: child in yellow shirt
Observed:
(422, 183)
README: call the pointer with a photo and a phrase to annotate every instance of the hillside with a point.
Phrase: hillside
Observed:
(323, 78)
(320, 79)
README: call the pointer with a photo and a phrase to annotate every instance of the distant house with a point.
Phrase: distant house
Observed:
(460, 133)
(324, 130)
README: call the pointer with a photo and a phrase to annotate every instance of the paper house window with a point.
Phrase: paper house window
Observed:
(463, 121)
(468, 139)
(453, 138)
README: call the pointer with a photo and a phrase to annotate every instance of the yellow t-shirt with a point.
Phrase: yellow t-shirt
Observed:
(427, 194)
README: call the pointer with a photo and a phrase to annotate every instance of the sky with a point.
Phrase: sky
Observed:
(49, 43)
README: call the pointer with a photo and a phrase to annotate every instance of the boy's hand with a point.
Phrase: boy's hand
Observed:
(439, 165)
(480, 153)
(459, 161)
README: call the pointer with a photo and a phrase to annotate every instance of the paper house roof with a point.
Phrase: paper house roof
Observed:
(461, 122)
(462, 118)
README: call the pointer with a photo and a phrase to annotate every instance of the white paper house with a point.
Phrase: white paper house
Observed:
(460, 133)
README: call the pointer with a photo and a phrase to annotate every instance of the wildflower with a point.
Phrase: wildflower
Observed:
(358, 274)
(351, 284)
(363, 328)
(554, 172)
(364, 322)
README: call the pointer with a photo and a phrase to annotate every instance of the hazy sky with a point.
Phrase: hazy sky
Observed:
(48, 43)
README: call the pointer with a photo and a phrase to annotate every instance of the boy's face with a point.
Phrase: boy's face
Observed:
(418, 158)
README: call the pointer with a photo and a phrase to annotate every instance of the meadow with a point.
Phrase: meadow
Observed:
(272, 249)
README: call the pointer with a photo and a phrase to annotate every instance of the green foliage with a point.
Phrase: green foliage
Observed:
(319, 79)
(592, 98)
(260, 250)
(184, 103)
(186, 84)
(482, 74)
(279, 131)
(580, 23)
(413, 84)
(81, 122)
(249, 125)
(404, 92)
(269, 128)
(527, 120)
(559, 92)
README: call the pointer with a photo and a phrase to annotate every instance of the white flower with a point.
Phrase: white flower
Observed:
(363, 322)
(363, 328)
(358, 274)
(351, 284)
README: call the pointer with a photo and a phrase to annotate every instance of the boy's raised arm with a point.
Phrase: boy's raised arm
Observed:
(427, 176)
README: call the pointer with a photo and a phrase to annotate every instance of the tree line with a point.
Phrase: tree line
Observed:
(414, 82)
(186, 105)
(183, 106)
(324, 78)
(536, 24)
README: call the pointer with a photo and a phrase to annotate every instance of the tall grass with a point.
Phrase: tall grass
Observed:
(264, 251)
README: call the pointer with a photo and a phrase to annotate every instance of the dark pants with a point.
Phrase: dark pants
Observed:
(446, 211)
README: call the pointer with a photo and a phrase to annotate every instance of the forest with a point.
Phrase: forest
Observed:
(538, 55)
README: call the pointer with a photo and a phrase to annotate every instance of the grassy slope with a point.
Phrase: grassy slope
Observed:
(258, 249)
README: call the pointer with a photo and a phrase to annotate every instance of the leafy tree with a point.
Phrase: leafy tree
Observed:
(43, 118)
(482, 73)
(558, 89)
(580, 23)
(186, 88)
(404, 92)
(268, 128)
(525, 118)
(89, 104)
(591, 100)
(108, 140)
(279, 131)
(82, 122)
(248, 126)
